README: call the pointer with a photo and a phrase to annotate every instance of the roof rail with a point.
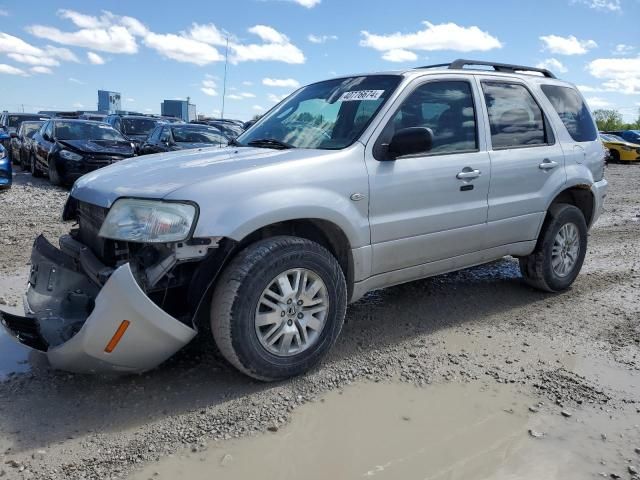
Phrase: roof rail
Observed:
(498, 67)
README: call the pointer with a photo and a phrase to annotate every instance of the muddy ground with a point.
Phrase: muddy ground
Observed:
(505, 381)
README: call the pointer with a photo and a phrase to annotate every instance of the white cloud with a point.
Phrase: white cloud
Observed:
(9, 70)
(588, 89)
(399, 55)
(622, 49)
(209, 91)
(567, 45)
(277, 47)
(241, 96)
(606, 5)
(553, 65)
(444, 36)
(277, 98)
(258, 108)
(75, 80)
(597, 102)
(33, 60)
(207, 82)
(182, 49)
(78, 105)
(307, 3)
(283, 82)
(130, 100)
(320, 38)
(41, 69)
(621, 75)
(11, 44)
(4, 13)
(95, 59)
(247, 83)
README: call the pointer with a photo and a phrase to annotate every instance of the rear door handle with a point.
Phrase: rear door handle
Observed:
(547, 164)
(468, 174)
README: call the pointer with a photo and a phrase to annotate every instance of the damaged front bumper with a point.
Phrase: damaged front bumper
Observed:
(84, 326)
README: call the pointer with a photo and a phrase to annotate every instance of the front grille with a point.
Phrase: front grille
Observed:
(102, 160)
(90, 218)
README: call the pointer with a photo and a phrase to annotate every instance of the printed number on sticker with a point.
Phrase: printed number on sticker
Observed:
(357, 95)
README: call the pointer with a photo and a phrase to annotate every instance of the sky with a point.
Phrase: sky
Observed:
(57, 54)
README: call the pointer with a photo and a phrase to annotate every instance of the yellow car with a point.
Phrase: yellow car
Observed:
(619, 149)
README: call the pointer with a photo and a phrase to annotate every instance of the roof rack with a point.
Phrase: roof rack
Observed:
(498, 67)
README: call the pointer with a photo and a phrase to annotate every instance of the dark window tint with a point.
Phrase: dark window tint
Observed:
(515, 118)
(86, 131)
(632, 136)
(572, 111)
(138, 126)
(155, 135)
(197, 135)
(444, 107)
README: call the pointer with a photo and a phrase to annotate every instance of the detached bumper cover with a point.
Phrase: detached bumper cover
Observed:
(73, 320)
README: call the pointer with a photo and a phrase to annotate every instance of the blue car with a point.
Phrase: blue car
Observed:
(5, 168)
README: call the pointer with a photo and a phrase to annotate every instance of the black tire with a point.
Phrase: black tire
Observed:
(240, 286)
(33, 166)
(54, 175)
(536, 268)
(614, 156)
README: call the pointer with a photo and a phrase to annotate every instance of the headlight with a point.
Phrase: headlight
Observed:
(148, 221)
(67, 155)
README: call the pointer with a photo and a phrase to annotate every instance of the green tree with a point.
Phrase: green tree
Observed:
(608, 119)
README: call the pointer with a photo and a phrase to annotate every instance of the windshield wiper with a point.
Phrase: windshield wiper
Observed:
(270, 143)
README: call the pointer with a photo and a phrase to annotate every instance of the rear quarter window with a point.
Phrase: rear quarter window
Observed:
(573, 112)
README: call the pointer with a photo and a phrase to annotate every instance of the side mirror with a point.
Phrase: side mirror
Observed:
(409, 141)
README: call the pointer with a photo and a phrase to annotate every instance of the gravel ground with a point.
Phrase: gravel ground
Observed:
(578, 351)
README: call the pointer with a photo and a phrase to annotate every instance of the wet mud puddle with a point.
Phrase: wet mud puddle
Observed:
(398, 431)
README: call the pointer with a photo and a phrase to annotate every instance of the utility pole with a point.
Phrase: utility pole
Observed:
(23, 108)
(224, 83)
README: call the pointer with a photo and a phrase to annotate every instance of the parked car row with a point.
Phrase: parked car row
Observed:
(65, 147)
(623, 146)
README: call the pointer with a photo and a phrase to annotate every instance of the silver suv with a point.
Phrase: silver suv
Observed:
(346, 186)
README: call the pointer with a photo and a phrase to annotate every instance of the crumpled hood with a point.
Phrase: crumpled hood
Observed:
(156, 176)
(115, 147)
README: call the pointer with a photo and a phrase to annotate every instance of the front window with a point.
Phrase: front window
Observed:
(197, 135)
(329, 115)
(86, 131)
(14, 121)
(138, 126)
(29, 129)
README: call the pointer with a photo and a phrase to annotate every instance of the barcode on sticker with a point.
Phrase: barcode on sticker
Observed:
(357, 95)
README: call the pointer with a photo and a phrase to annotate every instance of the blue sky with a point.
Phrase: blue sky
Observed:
(58, 54)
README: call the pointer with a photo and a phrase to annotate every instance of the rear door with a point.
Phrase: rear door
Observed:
(527, 163)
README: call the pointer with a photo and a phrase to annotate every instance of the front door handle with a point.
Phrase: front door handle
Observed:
(547, 164)
(468, 174)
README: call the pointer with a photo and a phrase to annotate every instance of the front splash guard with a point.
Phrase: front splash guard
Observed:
(78, 343)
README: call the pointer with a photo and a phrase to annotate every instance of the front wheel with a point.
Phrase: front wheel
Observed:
(54, 175)
(556, 262)
(279, 307)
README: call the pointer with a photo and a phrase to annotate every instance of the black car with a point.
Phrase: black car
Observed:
(10, 122)
(176, 136)
(229, 128)
(67, 149)
(134, 127)
(20, 146)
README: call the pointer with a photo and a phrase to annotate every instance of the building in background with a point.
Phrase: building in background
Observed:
(108, 102)
(178, 108)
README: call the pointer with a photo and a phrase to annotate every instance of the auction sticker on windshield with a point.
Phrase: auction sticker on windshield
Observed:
(357, 95)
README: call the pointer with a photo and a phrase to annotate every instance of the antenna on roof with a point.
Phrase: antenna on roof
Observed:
(224, 83)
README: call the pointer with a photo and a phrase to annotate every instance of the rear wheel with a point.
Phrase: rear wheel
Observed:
(279, 307)
(615, 156)
(33, 166)
(556, 262)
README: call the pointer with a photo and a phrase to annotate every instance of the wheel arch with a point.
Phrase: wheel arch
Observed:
(580, 196)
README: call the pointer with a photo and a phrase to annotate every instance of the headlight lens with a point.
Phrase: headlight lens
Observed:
(67, 155)
(148, 221)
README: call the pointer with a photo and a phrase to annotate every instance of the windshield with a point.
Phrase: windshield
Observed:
(328, 115)
(138, 126)
(86, 131)
(197, 135)
(15, 120)
(29, 128)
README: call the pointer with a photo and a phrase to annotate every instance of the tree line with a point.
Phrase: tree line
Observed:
(611, 119)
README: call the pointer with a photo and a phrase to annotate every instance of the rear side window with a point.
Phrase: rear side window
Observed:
(572, 111)
(515, 118)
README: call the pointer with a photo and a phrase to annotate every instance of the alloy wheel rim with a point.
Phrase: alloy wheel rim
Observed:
(292, 312)
(565, 250)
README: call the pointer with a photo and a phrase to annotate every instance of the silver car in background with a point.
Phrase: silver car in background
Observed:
(348, 185)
